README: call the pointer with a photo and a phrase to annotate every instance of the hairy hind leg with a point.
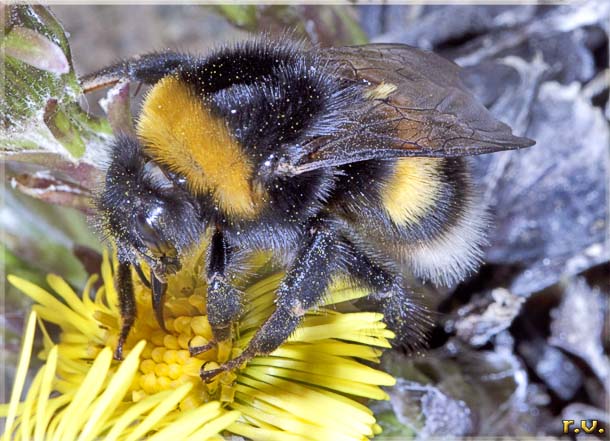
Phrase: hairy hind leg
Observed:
(403, 312)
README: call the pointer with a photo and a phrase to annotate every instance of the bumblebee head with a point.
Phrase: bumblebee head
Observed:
(147, 210)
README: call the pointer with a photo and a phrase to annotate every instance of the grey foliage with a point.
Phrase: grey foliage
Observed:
(543, 70)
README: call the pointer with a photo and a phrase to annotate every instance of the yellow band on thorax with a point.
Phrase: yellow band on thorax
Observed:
(179, 131)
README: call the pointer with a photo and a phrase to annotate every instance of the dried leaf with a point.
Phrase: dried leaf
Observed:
(49, 189)
(555, 21)
(581, 411)
(549, 201)
(428, 411)
(435, 26)
(493, 385)
(577, 327)
(478, 322)
(555, 368)
(117, 107)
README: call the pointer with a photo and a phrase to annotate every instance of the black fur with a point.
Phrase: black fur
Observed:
(127, 304)
(128, 192)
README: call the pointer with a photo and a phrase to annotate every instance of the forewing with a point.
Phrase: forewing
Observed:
(429, 111)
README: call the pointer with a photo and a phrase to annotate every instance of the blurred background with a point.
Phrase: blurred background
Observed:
(520, 346)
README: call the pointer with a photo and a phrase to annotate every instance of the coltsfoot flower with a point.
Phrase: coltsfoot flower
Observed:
(312, 387)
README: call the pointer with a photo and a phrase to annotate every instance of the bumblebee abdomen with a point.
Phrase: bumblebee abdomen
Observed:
(443, 244)
(417, 214)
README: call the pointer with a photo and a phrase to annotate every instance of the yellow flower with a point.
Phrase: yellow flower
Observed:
(309, 388)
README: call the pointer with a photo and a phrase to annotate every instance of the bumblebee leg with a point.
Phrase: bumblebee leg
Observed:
(141, 275)
(158, 299)
(223, 300)
(302, 288)
(148, 69)
(403, 314)
(409, 319)
(127, 305)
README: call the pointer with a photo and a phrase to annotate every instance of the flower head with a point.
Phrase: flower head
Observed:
(309, 388)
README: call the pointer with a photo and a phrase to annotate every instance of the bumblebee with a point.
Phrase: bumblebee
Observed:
(340, 160)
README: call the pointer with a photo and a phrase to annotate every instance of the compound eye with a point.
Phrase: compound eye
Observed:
(147, 228)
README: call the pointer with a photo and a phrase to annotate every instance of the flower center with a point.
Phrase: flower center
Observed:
(166, 362)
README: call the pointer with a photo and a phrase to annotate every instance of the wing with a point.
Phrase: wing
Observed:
(413, 103)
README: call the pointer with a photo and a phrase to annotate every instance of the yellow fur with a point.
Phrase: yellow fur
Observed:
(180, 132)
(412, 190)
(380, 92)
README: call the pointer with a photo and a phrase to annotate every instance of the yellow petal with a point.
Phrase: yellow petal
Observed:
(347, 385)
(342, 290)
(26, 428)
(307, 403)
(113, 393)
(213, 427)
(308, 351)
(303, 390)
(60, 286)
(330, 366)
(42, 415)
(138, 410)
(49, 307)
(189, 422)
(159, 412)
(110, 294)
(22, 370)
(256, 434)
(89, 389)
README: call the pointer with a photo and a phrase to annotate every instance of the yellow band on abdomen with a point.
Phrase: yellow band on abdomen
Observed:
(412, 190)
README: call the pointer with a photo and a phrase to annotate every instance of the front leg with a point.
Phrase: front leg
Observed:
(302, 288)
(223, 300)
(127, 305)
(148, 69)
